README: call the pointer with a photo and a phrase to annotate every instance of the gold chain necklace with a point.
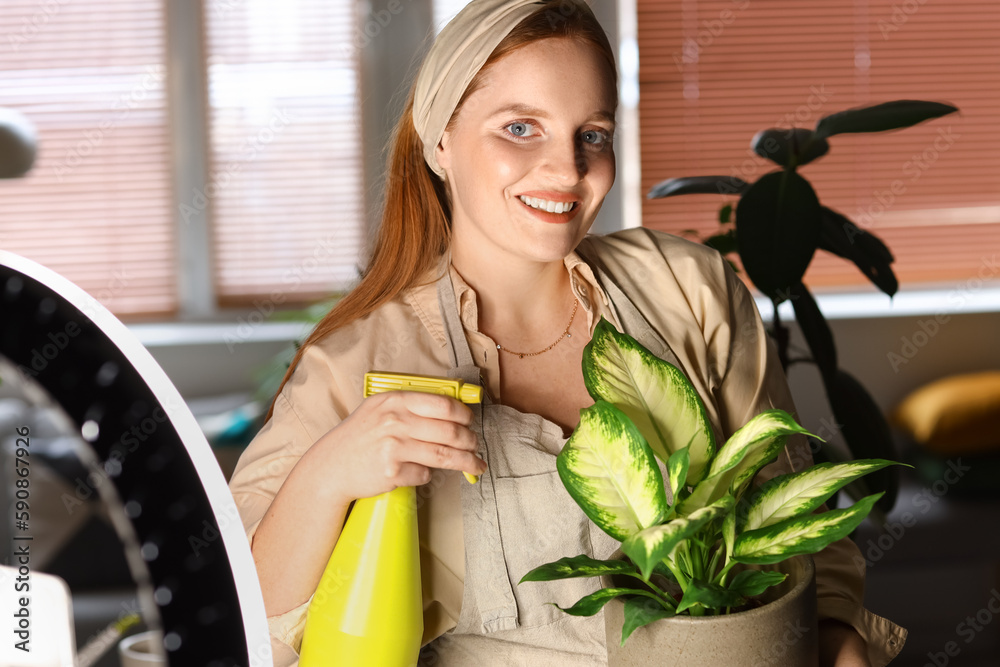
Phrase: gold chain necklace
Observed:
(565, 334)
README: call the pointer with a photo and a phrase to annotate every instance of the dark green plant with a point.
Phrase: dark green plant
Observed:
(779, 226)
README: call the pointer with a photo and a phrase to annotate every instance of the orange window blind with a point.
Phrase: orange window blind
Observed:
(714, 72)
(286, 188)
(96, 207)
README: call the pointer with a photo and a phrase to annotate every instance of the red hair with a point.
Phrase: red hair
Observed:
(415, 227)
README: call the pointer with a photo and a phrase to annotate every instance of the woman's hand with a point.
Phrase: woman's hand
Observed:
(394, 439)
(840, 645)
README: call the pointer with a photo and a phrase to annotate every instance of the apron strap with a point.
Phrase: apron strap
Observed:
(494, 595)
(463, 365)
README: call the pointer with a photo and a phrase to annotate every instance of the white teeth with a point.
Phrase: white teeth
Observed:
(550, 206)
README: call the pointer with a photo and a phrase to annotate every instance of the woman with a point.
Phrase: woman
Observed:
(481, 270)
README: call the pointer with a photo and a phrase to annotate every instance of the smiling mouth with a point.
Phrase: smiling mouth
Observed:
(548, 206)
(549, 210)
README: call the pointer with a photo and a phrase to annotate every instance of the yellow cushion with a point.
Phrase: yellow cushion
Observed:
(955, 415)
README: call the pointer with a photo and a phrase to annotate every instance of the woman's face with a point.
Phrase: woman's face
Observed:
(540, 127)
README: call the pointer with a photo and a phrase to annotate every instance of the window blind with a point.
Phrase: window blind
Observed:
(96, 207)
(714, 72)
(445, 11)
(285, 189)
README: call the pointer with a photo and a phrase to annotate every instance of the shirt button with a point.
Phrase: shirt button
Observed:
(581, 293)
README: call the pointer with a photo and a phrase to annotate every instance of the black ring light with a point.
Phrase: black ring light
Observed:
(175, 508)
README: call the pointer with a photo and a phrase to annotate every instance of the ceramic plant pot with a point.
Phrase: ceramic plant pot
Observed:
(781, 632)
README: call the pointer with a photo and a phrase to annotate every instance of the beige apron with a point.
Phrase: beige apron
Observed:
(520, 516)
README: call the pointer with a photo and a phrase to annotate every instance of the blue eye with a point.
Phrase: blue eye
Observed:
(518, 128)
(594, 137)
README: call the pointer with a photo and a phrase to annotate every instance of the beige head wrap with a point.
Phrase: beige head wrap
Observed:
(456, 56)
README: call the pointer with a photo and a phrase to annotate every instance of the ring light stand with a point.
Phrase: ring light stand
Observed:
(185, 542)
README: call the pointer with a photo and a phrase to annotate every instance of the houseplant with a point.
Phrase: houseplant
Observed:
(685, 534)
(779, 226)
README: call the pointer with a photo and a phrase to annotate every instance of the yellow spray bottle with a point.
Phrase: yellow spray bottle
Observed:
(368, 607)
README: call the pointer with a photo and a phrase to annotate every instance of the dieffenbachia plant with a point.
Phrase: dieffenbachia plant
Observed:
(695, 526)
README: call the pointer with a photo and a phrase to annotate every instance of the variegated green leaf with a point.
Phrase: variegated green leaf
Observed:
(800, 493)
(577, 566)
(755, 434)
(801, 535)
(589, 605)
(749, 583)
(611, 473)
(752, 447)
(677, 469)
(708, 595)
(713, 596)
(661, 569)
(655, 394)
(729, 531)
(707, 491)
(648, 547)
(640, 611)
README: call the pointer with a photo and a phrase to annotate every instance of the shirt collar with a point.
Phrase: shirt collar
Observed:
(423, 297)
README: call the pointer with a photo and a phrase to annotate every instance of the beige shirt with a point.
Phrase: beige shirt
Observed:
(686, 291)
